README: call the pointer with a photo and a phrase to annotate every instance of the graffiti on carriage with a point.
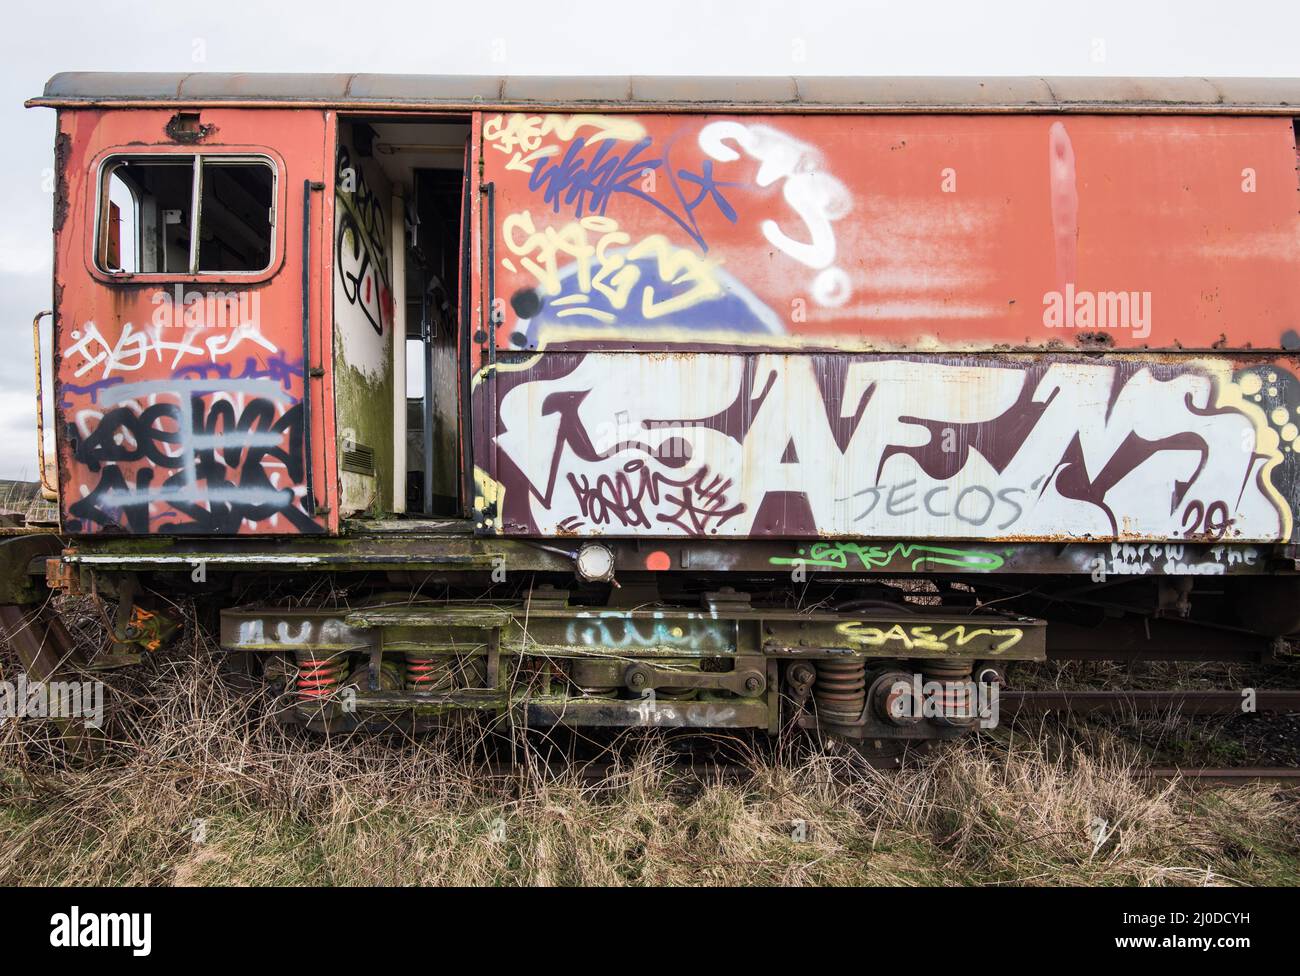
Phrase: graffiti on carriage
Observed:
(849, 445)
(192, 425)
(192, 455)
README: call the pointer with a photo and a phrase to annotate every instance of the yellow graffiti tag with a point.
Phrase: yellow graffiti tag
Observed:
(1269, 442)
(604, 258)
(489, 497)
(923, 636)
(521, 136)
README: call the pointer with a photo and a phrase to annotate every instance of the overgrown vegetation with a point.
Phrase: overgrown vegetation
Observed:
(194, 783)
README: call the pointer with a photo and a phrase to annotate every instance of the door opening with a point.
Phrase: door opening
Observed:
(398, 229)
(433, 266)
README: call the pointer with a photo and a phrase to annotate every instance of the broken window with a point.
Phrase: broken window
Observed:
(181, 214)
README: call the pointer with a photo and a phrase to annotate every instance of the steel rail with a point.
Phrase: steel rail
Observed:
(1191, 702)
(1228, 776)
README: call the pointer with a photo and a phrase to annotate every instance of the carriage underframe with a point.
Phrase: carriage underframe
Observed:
(427, 627)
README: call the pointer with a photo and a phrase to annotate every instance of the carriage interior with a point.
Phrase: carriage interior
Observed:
(417, 166)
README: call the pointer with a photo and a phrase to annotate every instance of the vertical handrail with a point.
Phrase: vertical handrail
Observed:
(309, 470)
(466, 311)
(50, 490)
(489, 191)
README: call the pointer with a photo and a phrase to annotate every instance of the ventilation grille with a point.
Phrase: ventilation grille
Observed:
(359, 459)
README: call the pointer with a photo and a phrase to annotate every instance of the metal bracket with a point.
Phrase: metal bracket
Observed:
(747, 679)
(494, 657)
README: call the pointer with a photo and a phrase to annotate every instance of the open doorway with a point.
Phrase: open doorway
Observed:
(432, 364)
(418, 166)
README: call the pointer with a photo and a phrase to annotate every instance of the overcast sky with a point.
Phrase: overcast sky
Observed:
(748, 37)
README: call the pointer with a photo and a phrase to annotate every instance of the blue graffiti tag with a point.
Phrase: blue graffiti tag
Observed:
(586, 185)
(277, 368)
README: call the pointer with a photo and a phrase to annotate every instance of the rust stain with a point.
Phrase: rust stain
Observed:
(185, 128)
(62, 149)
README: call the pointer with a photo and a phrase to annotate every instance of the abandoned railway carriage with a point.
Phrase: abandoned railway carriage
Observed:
(680, 402)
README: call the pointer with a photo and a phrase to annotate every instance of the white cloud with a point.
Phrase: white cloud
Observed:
(18, 436)
(22, 259)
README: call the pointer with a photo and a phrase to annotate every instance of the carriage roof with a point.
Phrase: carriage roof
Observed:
(1231, 96)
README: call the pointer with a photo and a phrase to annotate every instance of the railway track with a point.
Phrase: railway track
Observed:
(1185, 702)
(1287, 776)
(1194, 702)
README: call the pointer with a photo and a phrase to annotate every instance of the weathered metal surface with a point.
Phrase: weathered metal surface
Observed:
(40, 639)
(852, 557)
(842, 559)
(180, 398)
(542, 711)
(746, 678)
(766, 93)
(888, 233)
(698, 325)
(425, 703)
(649, 652)
(288, 630)
(667, 633)
(920, 327)
(922, 636)
(982, 449)
(19, 555)
(478, 617)
(636, 634)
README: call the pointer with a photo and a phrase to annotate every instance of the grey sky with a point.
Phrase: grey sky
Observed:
(937, 37)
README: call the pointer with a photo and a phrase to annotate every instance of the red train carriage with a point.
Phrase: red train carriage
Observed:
(684, 402)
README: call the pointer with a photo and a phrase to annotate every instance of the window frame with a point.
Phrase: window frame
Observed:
(217, 155)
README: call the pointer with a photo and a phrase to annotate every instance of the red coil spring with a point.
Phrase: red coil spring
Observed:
(319, 677)
(841, 689)
(956, 706)
(423, 671)
(426, 672)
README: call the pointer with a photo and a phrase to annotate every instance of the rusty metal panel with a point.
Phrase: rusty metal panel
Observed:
(889, 233)
(181, 398)
(912, 327)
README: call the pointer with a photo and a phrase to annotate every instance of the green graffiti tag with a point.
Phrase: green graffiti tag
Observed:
(836, 555)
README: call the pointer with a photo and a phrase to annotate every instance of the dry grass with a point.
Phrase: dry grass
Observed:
(194, 784)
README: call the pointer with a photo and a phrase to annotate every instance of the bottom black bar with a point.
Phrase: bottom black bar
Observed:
(313, 927)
